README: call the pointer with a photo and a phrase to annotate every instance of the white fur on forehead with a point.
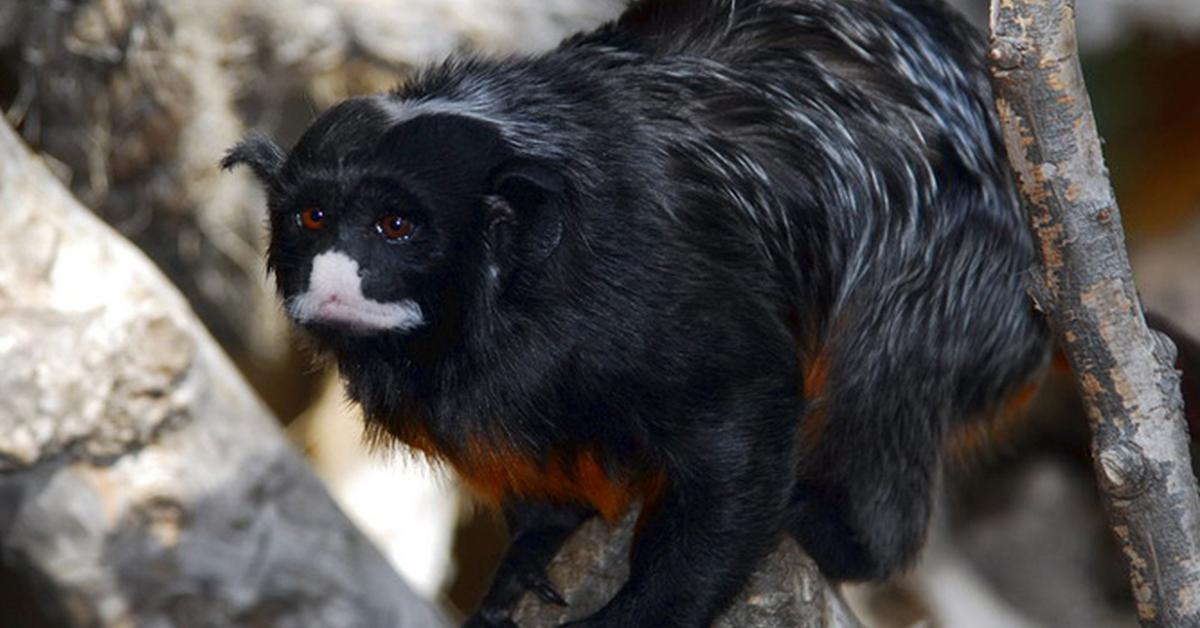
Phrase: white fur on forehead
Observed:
(476, 103)
(400, 111)
(335, 295)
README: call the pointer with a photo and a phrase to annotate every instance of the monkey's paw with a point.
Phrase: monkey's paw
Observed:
(496, 610)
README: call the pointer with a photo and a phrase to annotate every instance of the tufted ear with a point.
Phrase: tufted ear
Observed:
(525, 210)
(264, 157)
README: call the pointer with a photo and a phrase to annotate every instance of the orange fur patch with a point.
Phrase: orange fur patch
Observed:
(966, 441)
(1021, 399)
(496, 472)
(816, 376)
(1059, 362)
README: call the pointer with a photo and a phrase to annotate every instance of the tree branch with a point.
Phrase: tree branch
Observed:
(141, 481)
(1124, 370)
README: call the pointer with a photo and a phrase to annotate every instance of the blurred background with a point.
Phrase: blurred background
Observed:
(133, 102)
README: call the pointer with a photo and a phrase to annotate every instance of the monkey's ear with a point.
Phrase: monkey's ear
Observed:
(525, 208)
(264, 157)
(527, 183)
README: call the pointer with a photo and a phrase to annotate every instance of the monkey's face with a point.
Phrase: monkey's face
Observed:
(383, 223)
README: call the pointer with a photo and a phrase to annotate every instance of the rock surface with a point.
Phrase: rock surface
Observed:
(141, 481)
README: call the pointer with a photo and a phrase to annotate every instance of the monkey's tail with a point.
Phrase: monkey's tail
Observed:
(1023, 415)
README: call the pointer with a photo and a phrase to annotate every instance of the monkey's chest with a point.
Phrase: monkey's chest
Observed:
(495, 473)
(577, 478)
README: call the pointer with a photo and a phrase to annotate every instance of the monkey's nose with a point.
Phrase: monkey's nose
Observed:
(335, 297)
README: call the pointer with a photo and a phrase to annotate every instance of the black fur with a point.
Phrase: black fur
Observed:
(648, 243)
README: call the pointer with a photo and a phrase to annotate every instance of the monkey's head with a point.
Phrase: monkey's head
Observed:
(388, 221)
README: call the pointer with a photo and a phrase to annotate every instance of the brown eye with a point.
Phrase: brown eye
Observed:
(312, 218)
(394, 227)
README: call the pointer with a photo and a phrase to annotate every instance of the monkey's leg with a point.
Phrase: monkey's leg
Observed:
(862, 541)
(863, 503)
(721, 514)
(536, 531)
(870, 454)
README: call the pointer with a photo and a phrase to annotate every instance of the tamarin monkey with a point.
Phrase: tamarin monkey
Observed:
(745, 262)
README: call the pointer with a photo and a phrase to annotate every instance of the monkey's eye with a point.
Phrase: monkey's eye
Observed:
(395, 227)
(312, 218)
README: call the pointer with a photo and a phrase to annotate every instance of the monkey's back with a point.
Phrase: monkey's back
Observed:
(851, 144)
(839, 155)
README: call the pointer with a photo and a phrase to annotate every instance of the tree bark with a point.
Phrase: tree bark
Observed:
(141, 481)
(1124, 370)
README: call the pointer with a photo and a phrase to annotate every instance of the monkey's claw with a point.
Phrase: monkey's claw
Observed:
(540, 586)
(532, 577)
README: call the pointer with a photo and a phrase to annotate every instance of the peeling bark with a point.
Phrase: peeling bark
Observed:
(141, 481)
(1124, 370)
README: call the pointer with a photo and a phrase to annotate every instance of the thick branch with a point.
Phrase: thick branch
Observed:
(788, 591)
(1124, 370)
(141, 481)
